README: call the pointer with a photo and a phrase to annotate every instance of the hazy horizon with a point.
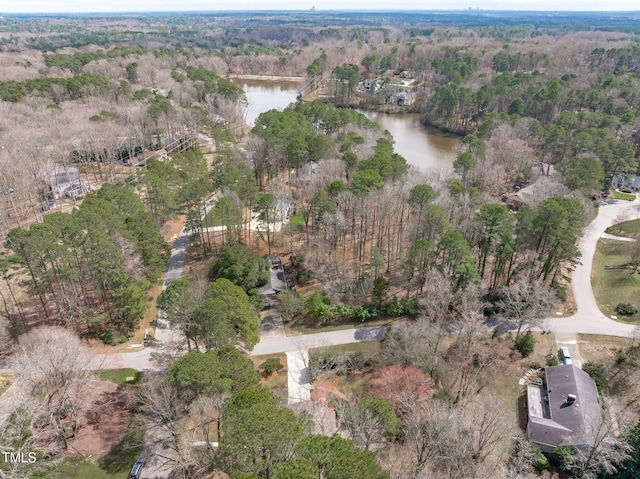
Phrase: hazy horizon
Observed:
(149, 6)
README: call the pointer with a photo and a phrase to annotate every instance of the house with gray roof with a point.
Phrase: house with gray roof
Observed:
(563, 409)
(400, 98)
(277, 281)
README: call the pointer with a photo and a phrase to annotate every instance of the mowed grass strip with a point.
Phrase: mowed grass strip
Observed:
(619, 195)
(626, 228)
(614, 286)
(120, 376)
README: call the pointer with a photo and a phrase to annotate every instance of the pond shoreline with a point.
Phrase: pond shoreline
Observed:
(422, 146)
(235, 76)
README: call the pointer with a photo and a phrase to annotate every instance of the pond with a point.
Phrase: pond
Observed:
(422, 147)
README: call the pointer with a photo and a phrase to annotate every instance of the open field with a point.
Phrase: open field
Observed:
(305, 325)
(614, 286)
(119, 376)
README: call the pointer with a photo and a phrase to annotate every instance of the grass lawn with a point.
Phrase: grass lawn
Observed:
(119, 376)
(626, 228)
(80, 468)
(305, 325)
(369, 349)
(545, 345)
(614, 286)
(600, 348)
(618, 195)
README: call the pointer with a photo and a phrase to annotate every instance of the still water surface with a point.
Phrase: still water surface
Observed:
(423, 148)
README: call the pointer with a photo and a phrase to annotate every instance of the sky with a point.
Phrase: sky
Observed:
(85, 6)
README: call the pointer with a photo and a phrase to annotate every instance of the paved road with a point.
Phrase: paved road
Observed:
(306, 341)
(589, 318)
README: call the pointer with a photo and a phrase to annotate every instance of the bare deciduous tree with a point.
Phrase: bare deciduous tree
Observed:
(361, 424)
(458, 443)
(17, 439)
(55, 366)
(603, 449)
(51, 359)
(527, 302)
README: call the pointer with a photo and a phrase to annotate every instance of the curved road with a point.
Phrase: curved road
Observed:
(588, 318)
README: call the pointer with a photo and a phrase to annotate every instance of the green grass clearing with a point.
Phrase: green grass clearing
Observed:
(626, 228)
(119, 376)
(614, 286)
(618, 195)
(306, 325)
(81, 468)
(369, 349)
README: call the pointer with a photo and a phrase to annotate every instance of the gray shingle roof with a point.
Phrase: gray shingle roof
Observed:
(569, 422)
(277, 281)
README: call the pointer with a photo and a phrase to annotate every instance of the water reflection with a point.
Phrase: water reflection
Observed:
(423, 148)
(264, 95)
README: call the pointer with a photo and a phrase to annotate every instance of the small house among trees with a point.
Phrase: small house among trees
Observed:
(277, 281)
(523, 197)
(562, 410)
(400, 98)
(65, 181)
(372, 86)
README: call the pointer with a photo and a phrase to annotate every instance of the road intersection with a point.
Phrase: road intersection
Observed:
(588, 318)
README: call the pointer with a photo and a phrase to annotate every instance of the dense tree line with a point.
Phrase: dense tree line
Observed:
(369, 236)
(218, 391)
(90, 269)
(71, 88)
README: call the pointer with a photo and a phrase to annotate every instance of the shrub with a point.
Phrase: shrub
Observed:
(271, 365)
(599, 373)
(525, 343)
(564, 457)
(393, 308)
(403, 307)
(552, 360)
(366, 311)
(626, 309)
(540, 461)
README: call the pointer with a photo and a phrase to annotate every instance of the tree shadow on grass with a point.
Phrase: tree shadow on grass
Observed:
(124, 454)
